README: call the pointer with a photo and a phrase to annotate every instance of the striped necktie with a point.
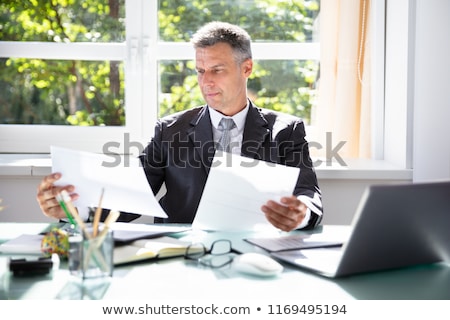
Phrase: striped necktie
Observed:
(225, 125)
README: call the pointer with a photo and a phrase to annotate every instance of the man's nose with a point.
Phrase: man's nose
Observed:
(207, 79)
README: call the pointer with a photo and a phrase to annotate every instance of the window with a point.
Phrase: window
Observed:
(81, 74)
(62, 69)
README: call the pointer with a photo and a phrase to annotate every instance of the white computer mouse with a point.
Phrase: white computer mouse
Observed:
(257, 264)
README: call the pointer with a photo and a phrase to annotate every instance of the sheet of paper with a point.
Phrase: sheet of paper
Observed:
(236, 189)
(23, 244)
(126, 186)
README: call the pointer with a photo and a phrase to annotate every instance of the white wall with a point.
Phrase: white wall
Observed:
(431, 153)
(19, 199)
(399, 75)
(340, 198)
(417, 92)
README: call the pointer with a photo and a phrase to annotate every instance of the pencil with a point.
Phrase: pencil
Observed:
(110, 219)
(93, 250)
(68, 202)
(97, 214)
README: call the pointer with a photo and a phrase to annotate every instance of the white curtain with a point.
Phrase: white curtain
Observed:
(343, 108)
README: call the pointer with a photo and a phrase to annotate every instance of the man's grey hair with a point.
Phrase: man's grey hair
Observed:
(216, 32)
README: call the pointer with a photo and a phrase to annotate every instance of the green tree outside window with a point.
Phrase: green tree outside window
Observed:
(91, 93)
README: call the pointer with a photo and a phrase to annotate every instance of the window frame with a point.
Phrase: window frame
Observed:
(141, 54)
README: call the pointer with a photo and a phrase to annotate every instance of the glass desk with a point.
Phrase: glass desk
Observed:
(177, 278)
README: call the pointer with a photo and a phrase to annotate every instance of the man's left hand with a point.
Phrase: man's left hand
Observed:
(287, 214)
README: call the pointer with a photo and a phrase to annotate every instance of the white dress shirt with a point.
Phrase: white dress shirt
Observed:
(236, 133)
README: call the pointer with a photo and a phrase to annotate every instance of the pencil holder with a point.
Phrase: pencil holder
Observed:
(91, 253)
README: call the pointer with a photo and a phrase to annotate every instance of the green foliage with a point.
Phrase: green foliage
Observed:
(284, 20)
(287, 86)
(62, 21)
(36, 91)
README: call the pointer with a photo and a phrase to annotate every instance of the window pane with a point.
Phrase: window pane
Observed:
(283, 85)
(178, 87)
(63, 21)
(275, 20)
(61, 92)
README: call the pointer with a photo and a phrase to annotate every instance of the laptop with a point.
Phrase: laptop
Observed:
(395, 226)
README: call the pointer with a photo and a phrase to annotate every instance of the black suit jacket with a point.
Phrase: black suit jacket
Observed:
(182, 149)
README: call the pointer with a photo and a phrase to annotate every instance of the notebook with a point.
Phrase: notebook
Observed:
(125, 232)
(146, 249)
(395, 226)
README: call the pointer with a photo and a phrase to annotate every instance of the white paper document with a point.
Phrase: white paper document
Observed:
(23, 244)
(236, 189)
(125, 185)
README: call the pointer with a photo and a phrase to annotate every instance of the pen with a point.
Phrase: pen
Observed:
(61, 202)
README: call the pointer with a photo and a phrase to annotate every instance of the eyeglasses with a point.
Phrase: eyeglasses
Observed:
(216, 257)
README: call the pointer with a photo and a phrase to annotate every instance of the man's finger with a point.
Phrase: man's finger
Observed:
(48, 181)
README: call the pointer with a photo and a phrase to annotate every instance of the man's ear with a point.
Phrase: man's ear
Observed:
(247, 67)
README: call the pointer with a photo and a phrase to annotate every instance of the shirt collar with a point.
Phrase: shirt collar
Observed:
(239, 118)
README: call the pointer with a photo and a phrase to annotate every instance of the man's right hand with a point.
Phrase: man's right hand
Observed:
(46, 196)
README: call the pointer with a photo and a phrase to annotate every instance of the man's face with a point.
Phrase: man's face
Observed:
(222, 81)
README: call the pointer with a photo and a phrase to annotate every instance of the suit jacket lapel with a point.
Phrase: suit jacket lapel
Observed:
(255, 133)
(200, 134)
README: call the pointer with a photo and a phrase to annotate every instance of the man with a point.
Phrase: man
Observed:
(181, 151)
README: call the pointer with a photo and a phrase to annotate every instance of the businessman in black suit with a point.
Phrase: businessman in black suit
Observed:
(181, 151)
